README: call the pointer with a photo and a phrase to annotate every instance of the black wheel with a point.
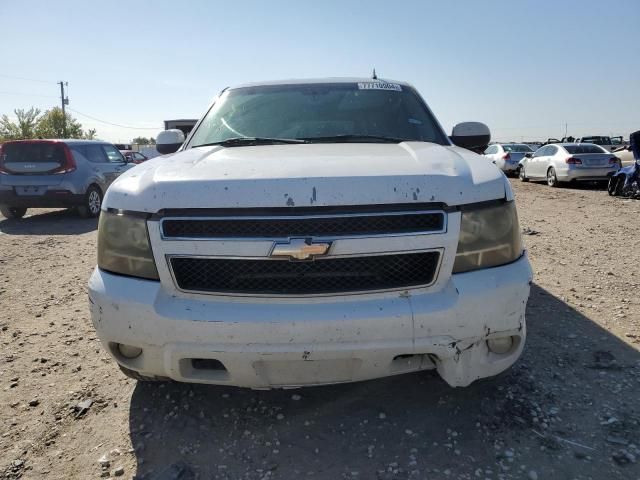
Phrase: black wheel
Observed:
(614, 187)
(552, 180)
(92, 203)
(12, 212)
(521, 175)
(141, 378)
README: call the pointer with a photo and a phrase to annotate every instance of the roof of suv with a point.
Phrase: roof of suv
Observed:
(309, 81)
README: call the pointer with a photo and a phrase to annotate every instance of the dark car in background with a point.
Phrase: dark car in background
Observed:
(605, 142)
(57, 173)
(134, 157)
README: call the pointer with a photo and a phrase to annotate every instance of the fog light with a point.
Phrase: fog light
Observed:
(500, 345)
(129, 351)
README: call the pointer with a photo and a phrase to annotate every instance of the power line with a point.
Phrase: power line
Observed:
(27, 94)
(110, 123)
(25, 78)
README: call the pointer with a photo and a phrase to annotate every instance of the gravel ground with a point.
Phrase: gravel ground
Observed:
(569, 409)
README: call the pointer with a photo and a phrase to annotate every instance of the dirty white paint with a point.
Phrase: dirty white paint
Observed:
(273, 341)
(352, 337)
(308, 175)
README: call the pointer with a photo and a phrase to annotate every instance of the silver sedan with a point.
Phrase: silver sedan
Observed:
(566, 162)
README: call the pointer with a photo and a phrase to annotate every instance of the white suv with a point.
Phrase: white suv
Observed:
(312, 232)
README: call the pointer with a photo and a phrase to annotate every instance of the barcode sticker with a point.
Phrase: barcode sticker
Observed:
(379, 86)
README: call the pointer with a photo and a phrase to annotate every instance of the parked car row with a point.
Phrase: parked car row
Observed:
(555, 163)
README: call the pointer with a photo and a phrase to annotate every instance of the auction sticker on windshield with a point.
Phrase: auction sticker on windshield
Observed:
(379, 86)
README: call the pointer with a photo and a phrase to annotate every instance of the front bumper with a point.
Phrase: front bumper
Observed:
(311, 341)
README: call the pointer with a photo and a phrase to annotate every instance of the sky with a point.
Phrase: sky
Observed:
(525, 68)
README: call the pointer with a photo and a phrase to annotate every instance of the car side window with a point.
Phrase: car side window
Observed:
(547, 150)
(491, 150)
(93, 153)
(138, 156)
(113, 154)
(551, 150)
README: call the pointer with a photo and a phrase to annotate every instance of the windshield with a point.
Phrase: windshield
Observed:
(517, 148)
(36, 152)
(320, 111)
(584, 148)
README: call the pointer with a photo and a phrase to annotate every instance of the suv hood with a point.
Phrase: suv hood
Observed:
(308, 175)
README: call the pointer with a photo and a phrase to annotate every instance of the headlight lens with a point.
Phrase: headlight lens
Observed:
(123, 246)
(488, 237)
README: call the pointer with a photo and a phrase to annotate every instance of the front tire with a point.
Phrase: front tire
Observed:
(12, 212)
(92, 203)
(552, 179)
(521, 174)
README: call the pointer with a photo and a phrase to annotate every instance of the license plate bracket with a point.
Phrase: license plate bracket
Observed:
(30, 190)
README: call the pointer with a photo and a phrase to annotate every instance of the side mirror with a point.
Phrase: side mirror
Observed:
(169, 141)
(471, 135)
(528, 155)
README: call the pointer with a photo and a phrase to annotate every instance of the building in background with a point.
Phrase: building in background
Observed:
(186, 125)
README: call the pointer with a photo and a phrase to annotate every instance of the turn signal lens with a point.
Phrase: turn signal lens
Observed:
(500, 345)
(129, 351)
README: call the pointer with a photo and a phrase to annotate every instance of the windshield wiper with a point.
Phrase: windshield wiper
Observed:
(248, 141)
(356, 138)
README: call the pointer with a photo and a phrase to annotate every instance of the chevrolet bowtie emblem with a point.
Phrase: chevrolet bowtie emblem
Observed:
(300, 249)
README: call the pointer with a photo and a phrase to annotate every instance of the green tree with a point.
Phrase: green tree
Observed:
(24, 127)
(90, 134)
(143, 141)
(51, 125)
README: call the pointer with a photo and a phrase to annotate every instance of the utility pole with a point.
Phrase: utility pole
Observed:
(565, 130)
(65, 101)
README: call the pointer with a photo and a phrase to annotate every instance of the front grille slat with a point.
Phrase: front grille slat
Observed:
(316, 226)
(320, 276)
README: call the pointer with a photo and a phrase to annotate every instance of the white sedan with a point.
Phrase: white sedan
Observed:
(507, 156)
(566, 162)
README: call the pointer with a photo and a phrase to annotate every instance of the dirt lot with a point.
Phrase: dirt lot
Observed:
(570, 409)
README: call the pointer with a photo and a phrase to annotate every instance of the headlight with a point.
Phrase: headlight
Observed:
(123, 246)
(488, 237)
